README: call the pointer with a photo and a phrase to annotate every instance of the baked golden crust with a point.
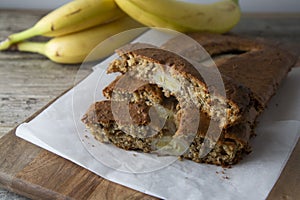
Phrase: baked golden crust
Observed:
(101, 113)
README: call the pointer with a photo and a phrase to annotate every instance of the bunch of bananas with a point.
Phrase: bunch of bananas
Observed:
(79, 26)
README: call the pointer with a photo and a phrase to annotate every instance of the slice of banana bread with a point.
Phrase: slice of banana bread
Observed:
(227, 150)
(177, 77)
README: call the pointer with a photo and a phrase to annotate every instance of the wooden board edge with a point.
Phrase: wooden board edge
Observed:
(288, 184)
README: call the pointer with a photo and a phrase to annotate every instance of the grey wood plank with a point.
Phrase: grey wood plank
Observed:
(27, 81)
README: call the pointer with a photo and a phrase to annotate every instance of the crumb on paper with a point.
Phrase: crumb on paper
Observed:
(225, 177)
(222, 174)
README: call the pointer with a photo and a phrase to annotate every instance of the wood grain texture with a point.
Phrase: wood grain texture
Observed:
(53, 176)
(288, 184)
(28, 82)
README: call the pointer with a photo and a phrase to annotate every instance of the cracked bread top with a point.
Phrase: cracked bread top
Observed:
(101, 113)
(258, 65)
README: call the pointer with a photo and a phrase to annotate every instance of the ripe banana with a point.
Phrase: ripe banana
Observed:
(147, 18)
(74, 48)
(217, 17)
(71, 17)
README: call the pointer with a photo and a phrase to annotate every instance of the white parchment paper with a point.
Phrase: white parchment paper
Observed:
(59, 130)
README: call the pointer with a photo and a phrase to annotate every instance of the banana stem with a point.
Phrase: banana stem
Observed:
(236, 1)
(17, 37)
(35, 47)
(4, 44)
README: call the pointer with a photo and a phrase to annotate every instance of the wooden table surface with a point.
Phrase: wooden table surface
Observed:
(29, 81)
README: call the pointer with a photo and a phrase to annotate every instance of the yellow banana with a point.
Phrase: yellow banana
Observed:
(216, 17)
(146, 18)
(71, 17)
(74, 48)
